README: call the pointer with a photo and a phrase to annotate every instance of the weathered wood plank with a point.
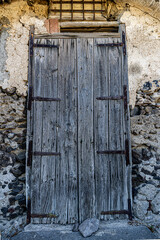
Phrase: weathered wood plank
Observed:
(49, 140)
(66, 171)
(37, 133)
(102, 192)
(78, 35)
(128, 173)
(85, 129)
(116, 126)
(88, 24)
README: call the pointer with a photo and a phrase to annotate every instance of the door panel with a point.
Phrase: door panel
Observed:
(75, 125)
(85, 128)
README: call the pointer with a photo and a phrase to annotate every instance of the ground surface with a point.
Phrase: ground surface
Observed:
(117, 230)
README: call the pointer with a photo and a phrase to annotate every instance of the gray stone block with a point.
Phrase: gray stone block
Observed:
(89, 226)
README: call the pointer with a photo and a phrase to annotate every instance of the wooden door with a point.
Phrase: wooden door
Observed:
(78, 130)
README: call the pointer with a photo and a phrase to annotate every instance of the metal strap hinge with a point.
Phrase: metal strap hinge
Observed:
(112, 152)
(29, 211)
(124, 43)
(110, 44)
(113, 212)
(46, 153)
(127, 152)
(31, 42)
(125, 97)
(45, 45)
(50, 215)
(45, 99)
(29, 98)
(30, 146)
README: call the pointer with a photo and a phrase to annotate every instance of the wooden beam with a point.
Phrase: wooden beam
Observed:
(88, 24)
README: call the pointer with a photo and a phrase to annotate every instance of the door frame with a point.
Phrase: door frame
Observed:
(122, 36)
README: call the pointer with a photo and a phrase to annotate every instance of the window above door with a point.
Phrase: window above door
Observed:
(79, 10)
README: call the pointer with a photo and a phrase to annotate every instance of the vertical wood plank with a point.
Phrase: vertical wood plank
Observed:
(85, 128)
(66, 170)
(127, 116)
(37, 132)
(102, 180)
(49, 75)
(116, 126)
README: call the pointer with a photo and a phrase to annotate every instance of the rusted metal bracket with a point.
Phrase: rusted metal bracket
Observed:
(45, 99)
(128, 212)
(115, 212)
(129, 209)
(45, 45)
(30, 146)
(125, 97)
(110, 98)
(127, 152)
(29, 98)
(44, 215)
(112, 152)
(29, 211)
(46, 153)
(110, 44)
(124, 42)
(31, 41)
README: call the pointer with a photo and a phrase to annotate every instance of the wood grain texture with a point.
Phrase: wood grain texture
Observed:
(85, 129)
(102, 180)
(79, 183)
(66, 171)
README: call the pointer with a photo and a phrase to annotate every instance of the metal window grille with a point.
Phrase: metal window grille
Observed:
(81, 10)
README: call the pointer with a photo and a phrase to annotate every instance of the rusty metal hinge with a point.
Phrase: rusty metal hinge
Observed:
(45, 99)
(129, 209)
(112, 152)
(125, 97)
(49, 215)
(46, 153)
(110, 98)
(30, 98)
(124, 42)
(45, 45)
(30, 146)
(113, 212)
(31, 41)
(110, 44)
(29, 211)
(127, 152)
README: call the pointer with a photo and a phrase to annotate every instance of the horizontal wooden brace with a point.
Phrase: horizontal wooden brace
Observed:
(88, 24)
(115, 212)
(45, 45)
(46, 153)
(45, 99)
(112, 152)
(43, 216)
(110, 44)
(110, 98)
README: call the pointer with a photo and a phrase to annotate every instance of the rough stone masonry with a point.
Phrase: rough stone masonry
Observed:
(143, 41)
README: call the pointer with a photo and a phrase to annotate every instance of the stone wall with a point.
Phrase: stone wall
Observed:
(145, 129)
(12, 157)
